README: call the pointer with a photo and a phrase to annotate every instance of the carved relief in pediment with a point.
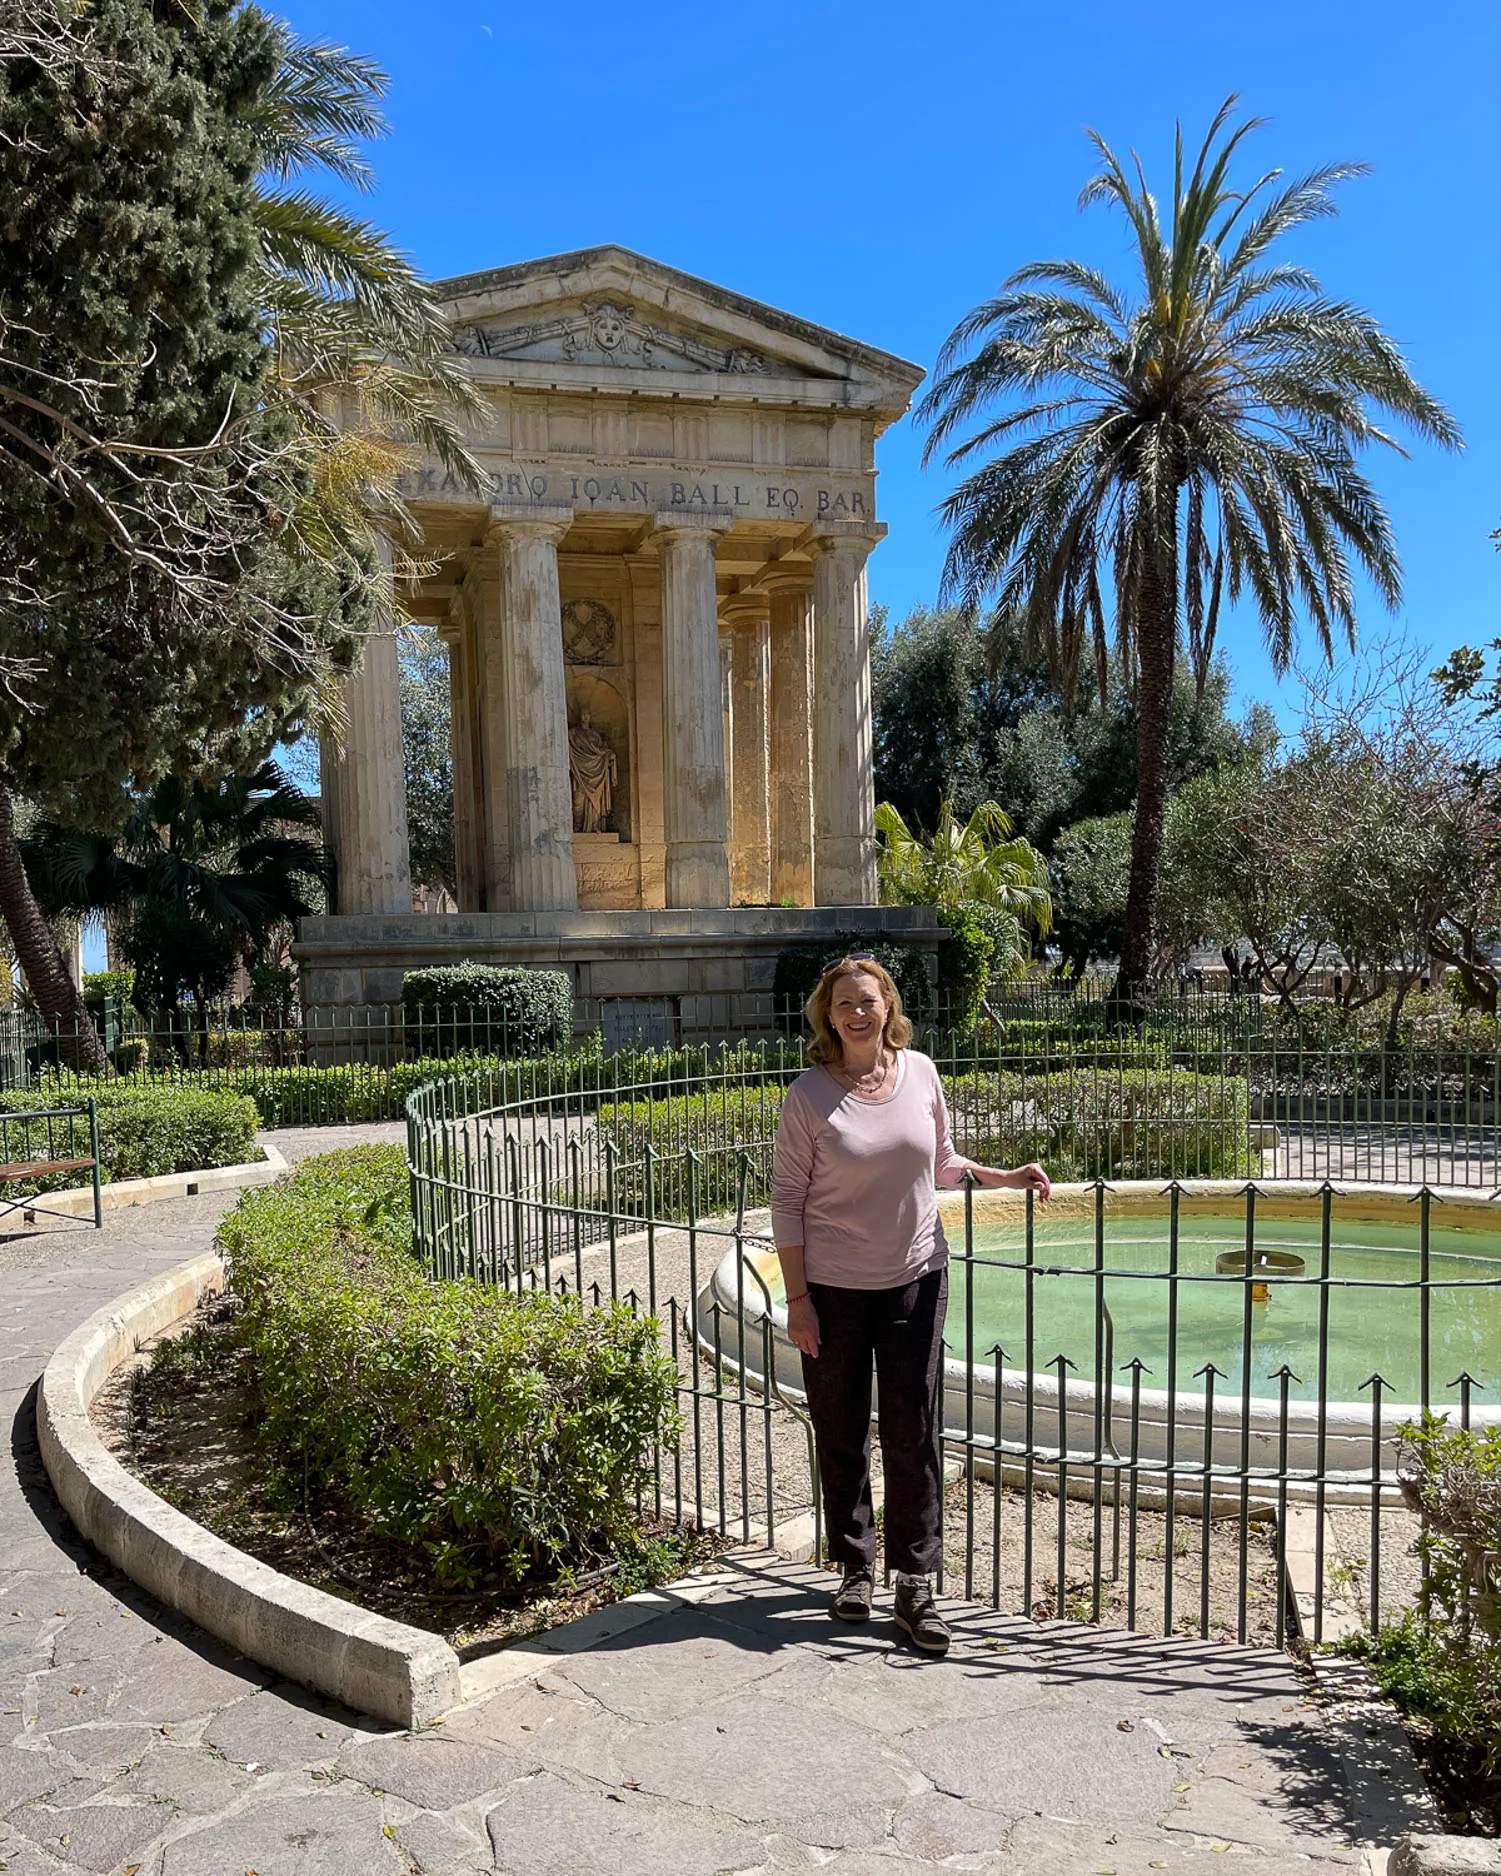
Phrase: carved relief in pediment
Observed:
(605, 333)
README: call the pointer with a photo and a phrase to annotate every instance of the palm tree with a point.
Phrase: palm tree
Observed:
(1166, 451)
(978, 859)
(202, 877)
(364, 362)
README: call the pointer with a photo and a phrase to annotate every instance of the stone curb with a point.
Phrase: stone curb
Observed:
(374, 1665)
(1445, 1856)
(78, 1201)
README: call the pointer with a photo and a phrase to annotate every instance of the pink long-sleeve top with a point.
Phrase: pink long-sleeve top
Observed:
(853, 1181)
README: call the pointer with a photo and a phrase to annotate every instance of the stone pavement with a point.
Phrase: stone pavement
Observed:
(742, 1732)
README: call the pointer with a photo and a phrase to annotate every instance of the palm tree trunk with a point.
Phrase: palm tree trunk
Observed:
(1156, 636)
(47, 975)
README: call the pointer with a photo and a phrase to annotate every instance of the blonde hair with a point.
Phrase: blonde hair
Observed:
(826, 1047)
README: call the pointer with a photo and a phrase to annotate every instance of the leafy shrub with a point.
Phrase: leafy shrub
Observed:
(130, 1056)
(502, 1433)
(273, 987)
(1131, 1123)
(1442, 1660)
(964, 961)
(99, 985)
(146, 1130)
(235, 1048)
(502, 1010)
(799, 968)
(343, 1094)
(725, 1127)
(1128, 1123)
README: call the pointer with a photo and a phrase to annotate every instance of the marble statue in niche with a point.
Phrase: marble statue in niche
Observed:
(593, 772)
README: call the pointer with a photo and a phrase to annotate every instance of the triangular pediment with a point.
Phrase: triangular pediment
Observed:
(608, 310)
(611, 330)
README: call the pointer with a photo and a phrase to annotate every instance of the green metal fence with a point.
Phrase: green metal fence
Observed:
(1111, 1457)
(1425, 1107)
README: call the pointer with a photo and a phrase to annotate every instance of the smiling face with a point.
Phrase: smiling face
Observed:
(857, 1012)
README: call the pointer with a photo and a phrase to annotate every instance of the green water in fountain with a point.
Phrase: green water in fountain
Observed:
(1373, 1328)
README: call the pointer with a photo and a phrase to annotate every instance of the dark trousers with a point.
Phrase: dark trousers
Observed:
(899, 1334)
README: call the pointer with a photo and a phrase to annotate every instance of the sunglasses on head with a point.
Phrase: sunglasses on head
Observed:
(847, 957)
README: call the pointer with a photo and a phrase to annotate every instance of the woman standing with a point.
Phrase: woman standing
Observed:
(863, 1139)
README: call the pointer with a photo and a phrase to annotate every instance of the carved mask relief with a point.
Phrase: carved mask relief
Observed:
(606, 333)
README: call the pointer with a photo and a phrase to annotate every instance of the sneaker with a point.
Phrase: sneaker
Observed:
(917, 1613)
(851, 1601)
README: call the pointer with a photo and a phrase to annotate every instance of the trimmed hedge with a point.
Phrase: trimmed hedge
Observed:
(724, 1127)
(503, 1434)
(500, 1009)
(344, 1094)
(145, 1130)
(1131, 1123)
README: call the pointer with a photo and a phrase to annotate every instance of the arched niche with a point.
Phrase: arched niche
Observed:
(597, 691)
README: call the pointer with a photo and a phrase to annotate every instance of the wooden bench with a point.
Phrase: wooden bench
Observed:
(12, 1171)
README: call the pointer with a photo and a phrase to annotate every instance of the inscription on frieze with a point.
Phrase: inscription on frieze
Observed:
(783, 500)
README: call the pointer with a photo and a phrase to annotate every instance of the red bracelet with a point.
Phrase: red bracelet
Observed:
(801, 1297)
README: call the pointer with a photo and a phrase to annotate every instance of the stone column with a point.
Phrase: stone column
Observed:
(698, 872)
(369, 796)
(791, 740)
(746, 615)
(844, 803)
(539, 805)
(457, 633)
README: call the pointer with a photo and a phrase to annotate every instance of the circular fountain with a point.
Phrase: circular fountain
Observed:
(1133, 1321)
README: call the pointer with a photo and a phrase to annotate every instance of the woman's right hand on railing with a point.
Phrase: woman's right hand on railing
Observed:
(802, 1325)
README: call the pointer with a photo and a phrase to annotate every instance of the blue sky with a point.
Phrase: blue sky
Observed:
(880, 168)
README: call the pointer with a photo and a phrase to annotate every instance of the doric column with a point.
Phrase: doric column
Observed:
(539, 806)
(369, 805)
(746, 616)
(457, 633)
(844, 804)
(698, 871)
(791, 739)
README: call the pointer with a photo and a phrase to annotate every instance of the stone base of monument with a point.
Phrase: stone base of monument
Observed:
(693, 973)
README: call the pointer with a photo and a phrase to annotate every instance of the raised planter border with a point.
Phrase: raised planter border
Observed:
(368, 1662)
(119, 1194)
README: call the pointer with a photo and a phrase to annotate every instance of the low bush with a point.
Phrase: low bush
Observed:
(503, 1434)
(1441, 1661)
(145, 1130)
(964, 964)
(1132, 1123)
(500, 1010)
(98, 986)
(727, 1128)
(1042, 1052)
(344, 1094)
(1127, 1123)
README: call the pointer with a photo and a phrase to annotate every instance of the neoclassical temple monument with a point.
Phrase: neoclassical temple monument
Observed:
(655, 616)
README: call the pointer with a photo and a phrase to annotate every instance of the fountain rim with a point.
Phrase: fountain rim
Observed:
(1186, 1405)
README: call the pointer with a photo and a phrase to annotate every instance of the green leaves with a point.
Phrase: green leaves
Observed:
(972, 860)
(147, 1131)
(505, 1434)
(1159, 451)
(504, 1010)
